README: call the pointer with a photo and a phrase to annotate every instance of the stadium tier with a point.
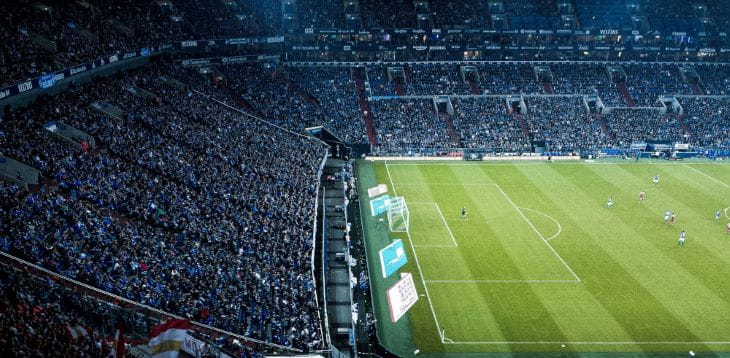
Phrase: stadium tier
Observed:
(229, 178)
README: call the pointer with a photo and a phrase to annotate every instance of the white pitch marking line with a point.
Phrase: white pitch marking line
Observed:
(447, 224)
(560, 228)
(537, 232)
(446, 339)
(501, 281)
(590, 343)
(537, 162)
(418, 265)
(726, 216)
(429, 245)
(707, 175)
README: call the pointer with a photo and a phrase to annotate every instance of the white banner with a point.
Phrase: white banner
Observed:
(378, 190)
(401, 297)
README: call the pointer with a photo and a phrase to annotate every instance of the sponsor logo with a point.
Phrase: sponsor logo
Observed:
(189, 43)
(4, 93)
(237, 41)
(47, 81)
(235, 59)
(76, 70)
(195, 62)
(25, 86)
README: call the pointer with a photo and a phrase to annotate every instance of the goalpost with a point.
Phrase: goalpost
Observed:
(398, 215)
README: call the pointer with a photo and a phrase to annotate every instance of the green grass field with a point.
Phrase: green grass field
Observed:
(541, 265)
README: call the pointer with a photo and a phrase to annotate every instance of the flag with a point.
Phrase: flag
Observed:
(118, 349)
(167, 338)
(77, 331)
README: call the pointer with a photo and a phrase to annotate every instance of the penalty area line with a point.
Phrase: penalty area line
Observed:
(586, 343)
(502, 281)
(446, 224)
(708, 175)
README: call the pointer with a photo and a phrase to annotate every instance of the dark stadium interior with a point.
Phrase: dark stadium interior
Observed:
(158, 158)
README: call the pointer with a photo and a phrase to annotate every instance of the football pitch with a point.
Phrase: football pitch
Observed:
(540, 264)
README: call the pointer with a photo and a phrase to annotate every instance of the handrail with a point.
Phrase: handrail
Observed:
(251, 115)
(325, 264)
(314, 251)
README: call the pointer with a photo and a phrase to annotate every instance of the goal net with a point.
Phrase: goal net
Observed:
(398, 216)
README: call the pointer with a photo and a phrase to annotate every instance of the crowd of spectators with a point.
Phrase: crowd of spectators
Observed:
(484, 122)
(714, 79)
(299, 97)
(412, 124)
(47, 37)
(564, 123)
(504, 78)
(35, 314)
(628, 126)
(707, 121)
(184, 205)
(646, 82)
(320, 14)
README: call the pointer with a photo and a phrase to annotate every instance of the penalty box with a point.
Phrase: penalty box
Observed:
(496, 242)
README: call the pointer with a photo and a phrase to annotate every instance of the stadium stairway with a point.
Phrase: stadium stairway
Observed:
(306, 96)
(602, 122)
(621, 87)
(239, 100)
(697, 89)
(450, 126)
(365, 112)
(523, 123)
(474, 88)
(548, 87)
(683, 124)
(400, 88)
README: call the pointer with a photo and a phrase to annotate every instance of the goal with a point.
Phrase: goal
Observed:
(398, 216)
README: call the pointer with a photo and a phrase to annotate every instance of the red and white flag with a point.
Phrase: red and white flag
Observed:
(118, 349)
(76, 331)
(166, 339)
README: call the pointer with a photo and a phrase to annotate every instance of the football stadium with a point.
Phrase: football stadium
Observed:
(365, 178)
